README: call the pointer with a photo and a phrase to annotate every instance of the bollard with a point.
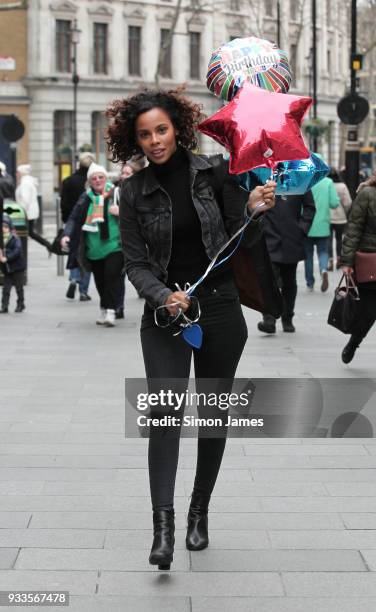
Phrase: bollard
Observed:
(59, 225)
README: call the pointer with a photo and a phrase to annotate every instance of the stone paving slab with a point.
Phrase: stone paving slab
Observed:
(330, 540)
(95, 603)
(51, 538)
(329, 584)
(78, 583)
(183, 584)
(8, 558)
(118, 560)
(282, 604)
(292, 521)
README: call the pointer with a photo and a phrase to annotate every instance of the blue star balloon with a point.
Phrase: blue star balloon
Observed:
(294, 177)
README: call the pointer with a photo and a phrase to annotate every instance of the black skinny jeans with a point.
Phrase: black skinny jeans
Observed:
(168, 356)
(108, 278)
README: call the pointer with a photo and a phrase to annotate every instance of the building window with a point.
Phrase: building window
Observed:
(165, 70)
(329, 61)
(234, 5)
(100, 51)
(63, 134)
(134, 50)
(294, 10)
(328, 11)
(294, 59)
(194, 54)
(98, 142)
(269, 8)
(63, 45)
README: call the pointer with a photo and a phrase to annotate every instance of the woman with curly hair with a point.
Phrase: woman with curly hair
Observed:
(175, 215)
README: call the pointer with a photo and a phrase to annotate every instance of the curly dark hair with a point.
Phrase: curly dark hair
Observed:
(185, 115)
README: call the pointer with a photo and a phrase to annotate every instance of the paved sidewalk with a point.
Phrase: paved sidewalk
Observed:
(292, 522)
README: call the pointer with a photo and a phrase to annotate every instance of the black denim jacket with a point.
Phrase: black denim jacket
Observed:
(146, 221)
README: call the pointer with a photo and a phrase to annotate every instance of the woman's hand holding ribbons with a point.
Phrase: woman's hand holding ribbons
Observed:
(262, 195)
(178, 300)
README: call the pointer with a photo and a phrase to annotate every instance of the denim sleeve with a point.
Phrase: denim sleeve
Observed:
(135, 251)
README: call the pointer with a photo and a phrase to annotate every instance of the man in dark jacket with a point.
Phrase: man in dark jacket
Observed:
(285, 227)
(72, 188)
(13, 266)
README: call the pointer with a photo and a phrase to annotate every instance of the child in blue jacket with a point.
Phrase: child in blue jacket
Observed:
(13, 266)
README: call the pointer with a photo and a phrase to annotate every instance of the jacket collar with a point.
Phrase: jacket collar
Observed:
(196, 163)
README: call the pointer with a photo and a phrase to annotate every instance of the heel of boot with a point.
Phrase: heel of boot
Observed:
(162, 550)
(164, 567)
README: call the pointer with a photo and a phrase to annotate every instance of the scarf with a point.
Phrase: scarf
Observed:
(96, 210)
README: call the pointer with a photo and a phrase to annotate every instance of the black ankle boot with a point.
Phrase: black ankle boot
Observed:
(197, 532)
(287, 325)
(267, 325)
(20, 307)
(162, 550)
(349, 350)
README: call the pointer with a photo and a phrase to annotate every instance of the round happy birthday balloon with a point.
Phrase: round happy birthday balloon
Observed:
(250, 59)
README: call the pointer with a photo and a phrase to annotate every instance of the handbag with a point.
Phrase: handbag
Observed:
(344, 311)
(365, 267)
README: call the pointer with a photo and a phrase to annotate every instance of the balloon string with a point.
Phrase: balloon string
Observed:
(214, 263)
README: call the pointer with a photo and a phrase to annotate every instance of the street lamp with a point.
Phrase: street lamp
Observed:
(75, 39)
(314, 68)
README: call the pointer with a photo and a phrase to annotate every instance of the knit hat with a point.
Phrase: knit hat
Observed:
(3, 168)
(24, 169)
(7, 221)
(96, 169)
(86, 159)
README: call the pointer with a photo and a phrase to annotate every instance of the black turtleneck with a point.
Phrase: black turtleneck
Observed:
(188, 259)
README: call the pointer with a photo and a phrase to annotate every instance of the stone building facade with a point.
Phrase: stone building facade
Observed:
(13, 68)
(118, 52)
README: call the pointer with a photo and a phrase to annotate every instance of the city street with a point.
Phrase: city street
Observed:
(292, 521)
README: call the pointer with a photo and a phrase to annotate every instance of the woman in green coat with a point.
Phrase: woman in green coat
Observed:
(361, 236)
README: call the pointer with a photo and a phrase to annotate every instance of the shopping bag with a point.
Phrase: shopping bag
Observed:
(344, 311)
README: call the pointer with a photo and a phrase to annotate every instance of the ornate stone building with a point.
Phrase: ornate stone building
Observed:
(118, 51)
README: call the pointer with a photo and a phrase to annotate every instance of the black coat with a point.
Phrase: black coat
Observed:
(14, 254)
(7, 187)
(286, 225)
(72, 187)
(146, 231)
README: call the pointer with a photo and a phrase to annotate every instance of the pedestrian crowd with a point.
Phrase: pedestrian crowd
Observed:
(324, 220)
(165, 222)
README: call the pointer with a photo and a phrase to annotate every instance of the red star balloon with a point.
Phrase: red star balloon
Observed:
(259, 128)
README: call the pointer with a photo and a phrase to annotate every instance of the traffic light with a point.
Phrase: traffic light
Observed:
(356, 61)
